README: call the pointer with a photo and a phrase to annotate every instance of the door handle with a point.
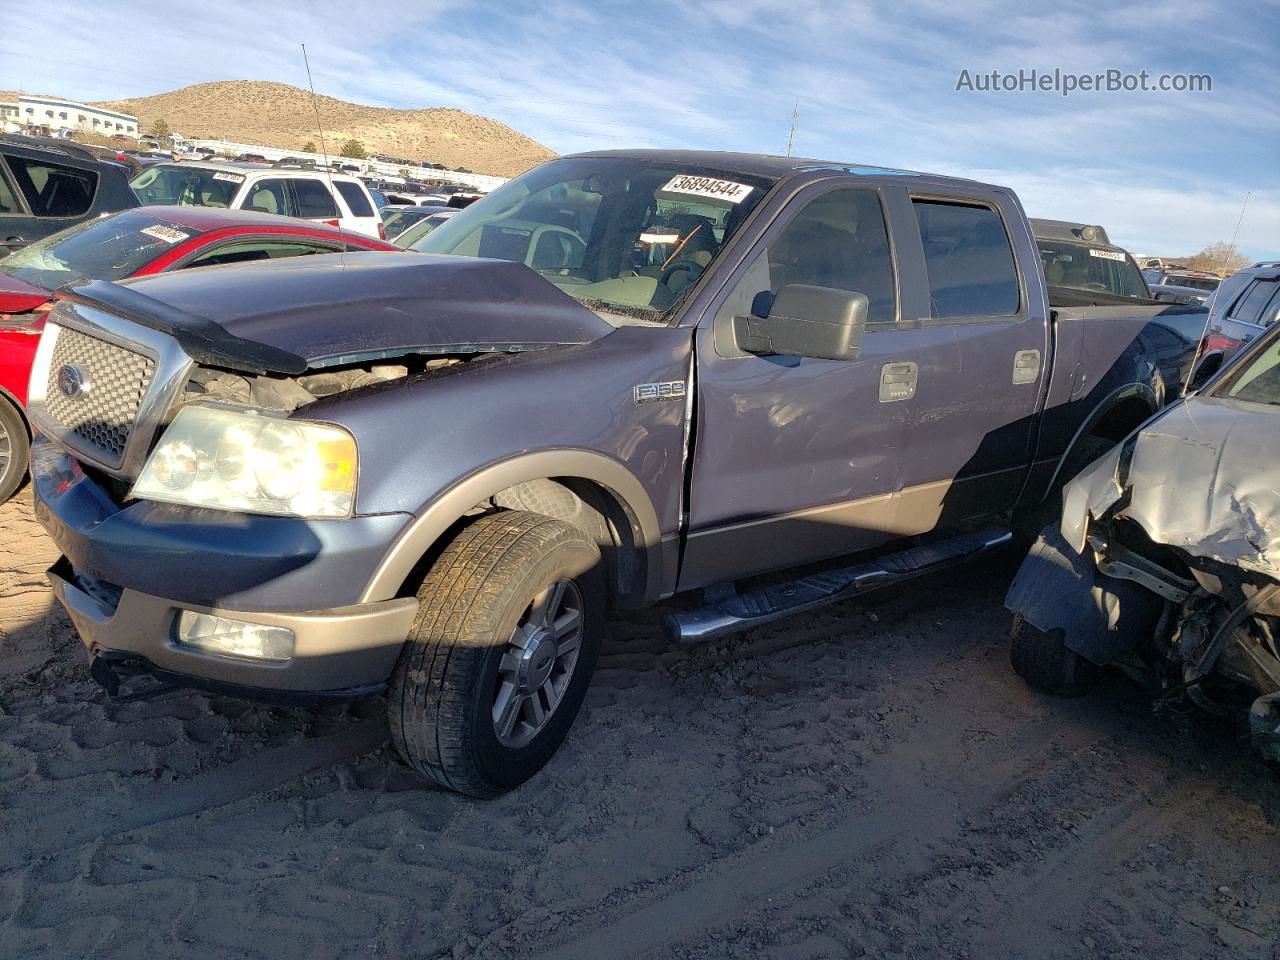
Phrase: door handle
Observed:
(1026, 366)
(898, 381)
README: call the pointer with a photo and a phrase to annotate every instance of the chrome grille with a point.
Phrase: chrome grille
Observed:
(116, 380)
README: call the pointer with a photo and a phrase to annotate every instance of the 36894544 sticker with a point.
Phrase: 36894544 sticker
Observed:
(709, 187)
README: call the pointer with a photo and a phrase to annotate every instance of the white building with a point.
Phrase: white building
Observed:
(72, 116)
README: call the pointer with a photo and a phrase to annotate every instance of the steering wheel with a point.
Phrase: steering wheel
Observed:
(1100, 287)
(693, 266)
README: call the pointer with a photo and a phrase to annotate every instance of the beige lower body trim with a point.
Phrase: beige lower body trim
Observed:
(808, 536)
(339, 649)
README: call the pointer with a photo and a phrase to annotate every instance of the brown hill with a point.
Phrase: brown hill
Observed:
(278, 115)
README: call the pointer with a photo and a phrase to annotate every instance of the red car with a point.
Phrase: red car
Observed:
(132, 243)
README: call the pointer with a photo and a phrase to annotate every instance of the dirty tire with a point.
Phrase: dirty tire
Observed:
(1028, 523)
(442, 693)
(1043, 660)
(15, 449)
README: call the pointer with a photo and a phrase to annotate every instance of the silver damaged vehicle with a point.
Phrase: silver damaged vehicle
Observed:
(1167, 559)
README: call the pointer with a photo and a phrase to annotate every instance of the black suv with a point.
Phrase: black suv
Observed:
(48, 185)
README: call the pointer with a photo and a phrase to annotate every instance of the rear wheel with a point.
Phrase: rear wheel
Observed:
(1042, 659)
(14, 449)
(509, 625)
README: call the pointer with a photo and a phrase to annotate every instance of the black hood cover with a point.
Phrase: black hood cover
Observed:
(288, 315)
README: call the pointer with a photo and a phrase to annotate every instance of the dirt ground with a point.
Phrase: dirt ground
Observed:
(867, 780)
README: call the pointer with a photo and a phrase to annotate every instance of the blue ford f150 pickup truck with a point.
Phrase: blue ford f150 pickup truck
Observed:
(619, 377)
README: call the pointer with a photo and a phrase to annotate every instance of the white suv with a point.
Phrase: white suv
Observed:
(289, 191)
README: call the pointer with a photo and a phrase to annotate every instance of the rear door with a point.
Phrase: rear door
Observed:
(314, 201)
(56, 196)
(15, 219)
(968, 439)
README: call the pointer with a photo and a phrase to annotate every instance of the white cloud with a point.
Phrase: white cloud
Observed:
(875, 80)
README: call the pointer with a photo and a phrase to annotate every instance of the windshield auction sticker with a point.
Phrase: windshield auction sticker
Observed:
(229, 177)
(707, 187)
(167, 234)
(1106, 254)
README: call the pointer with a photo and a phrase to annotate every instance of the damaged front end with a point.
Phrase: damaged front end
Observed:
(1164, 563)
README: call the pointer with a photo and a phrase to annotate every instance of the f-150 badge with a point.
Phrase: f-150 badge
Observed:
(667, 390)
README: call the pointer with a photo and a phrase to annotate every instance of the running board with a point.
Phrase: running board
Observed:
(775, 601)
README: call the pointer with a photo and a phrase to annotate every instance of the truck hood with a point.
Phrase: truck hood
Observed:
(1200, 478)
(298, 313)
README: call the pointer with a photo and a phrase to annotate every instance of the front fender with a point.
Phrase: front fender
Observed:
(446, 509)
(1058, 588)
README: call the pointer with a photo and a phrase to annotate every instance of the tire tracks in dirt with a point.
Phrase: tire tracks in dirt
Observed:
(738, 883)
(152, 804)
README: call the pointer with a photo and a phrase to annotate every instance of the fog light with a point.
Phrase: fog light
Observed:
(234, 638)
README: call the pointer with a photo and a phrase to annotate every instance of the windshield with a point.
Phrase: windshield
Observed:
(1082, 267)
(412, 238)
(626, 237)
(109, 248)
(1258, 380)
(187, 186)
(1195, 283)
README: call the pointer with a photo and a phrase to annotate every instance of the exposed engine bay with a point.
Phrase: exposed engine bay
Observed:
(284, 394)
(1165, 563)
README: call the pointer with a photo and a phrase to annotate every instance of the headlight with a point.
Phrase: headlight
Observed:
(246, 461)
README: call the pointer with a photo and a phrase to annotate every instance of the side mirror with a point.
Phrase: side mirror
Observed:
(806, 321)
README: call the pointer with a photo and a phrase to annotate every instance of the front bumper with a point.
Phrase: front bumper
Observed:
(350, 648)
(127, 573)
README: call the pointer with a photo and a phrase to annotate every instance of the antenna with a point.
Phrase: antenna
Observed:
(792, 135)
(324, 152)
(1231, 250)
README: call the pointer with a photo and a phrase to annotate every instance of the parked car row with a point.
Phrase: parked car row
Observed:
(134, 243)
(326, 476)
(47, 186)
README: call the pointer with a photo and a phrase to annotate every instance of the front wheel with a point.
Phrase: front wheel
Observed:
(509, 625)
(1042, 659)
(14, 449)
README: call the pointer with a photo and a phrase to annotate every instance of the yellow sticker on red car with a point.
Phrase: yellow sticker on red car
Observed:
(167, 234)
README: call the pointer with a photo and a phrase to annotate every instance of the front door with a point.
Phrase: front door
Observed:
(799, 459)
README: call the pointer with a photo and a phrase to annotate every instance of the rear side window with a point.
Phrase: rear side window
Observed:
(1253, 307)
(250, 250)
(8, 196)
(269, 196)
(53, 190)
(968, 259)
(314, 199)
(355, 198)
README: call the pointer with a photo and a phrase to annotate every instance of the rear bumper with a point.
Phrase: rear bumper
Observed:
(347, 649)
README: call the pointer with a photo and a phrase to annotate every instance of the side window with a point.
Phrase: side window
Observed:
(53, 190)
(249, 250)
(355, 198)
(838, 240)
(9, 202)
(1251, 307)
(968, 259)
(269, 196)
(314, 199)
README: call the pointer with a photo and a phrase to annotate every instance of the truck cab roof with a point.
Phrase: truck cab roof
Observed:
(1089, 233)
(769, 165)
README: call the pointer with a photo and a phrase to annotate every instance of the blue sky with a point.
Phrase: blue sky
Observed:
(875, 81)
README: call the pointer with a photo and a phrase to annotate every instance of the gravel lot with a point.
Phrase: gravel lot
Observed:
(870, 779)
